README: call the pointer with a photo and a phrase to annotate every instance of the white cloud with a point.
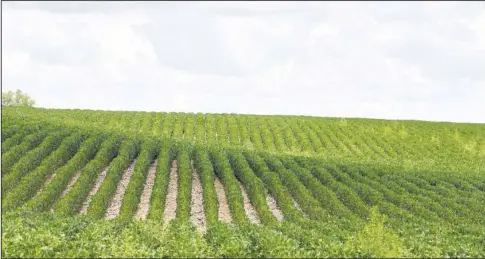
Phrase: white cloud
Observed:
(406, 60)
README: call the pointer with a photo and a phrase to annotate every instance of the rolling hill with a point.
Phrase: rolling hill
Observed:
(133, 184)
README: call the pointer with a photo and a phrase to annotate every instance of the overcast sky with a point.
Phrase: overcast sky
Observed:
(394, 60)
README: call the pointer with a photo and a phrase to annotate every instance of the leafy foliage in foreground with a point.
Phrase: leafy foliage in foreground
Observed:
(47, 235)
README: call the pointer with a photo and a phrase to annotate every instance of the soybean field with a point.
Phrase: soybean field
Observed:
(86, 183)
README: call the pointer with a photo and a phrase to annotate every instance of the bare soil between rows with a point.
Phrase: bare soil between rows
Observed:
(224, 212)
(94, 190)
(68, 188)
(197, 215)
(248, 207)
(144, 205)
(171, 201)
(115, 204)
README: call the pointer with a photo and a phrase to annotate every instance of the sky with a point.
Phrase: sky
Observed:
(389, 60)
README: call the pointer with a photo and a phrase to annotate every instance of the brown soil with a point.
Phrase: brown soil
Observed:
(68, 188)
(224, 212)
(274, 207)
(115, 204)
(144, 205)
(249, 208)
(71, 183)
(47, 181)
(171, 202)
(94, 190)
(197, 215)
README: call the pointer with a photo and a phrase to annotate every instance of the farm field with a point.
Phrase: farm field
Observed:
(84, 183)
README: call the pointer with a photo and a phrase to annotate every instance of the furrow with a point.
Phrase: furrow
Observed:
(274, 207)
(69, 187)
(248, 207)
(197, 215)
(47, 181)
(115, 205)
(224, 212)
(171, 202)
(93, 191)
(144, 205)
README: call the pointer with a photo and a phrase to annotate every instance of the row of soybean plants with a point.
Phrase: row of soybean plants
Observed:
(210, 127)
(178, 125)
(267, 137)
(200, 131)
(244, 138)
(254, 133)
(189, 128)
(222, 131)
